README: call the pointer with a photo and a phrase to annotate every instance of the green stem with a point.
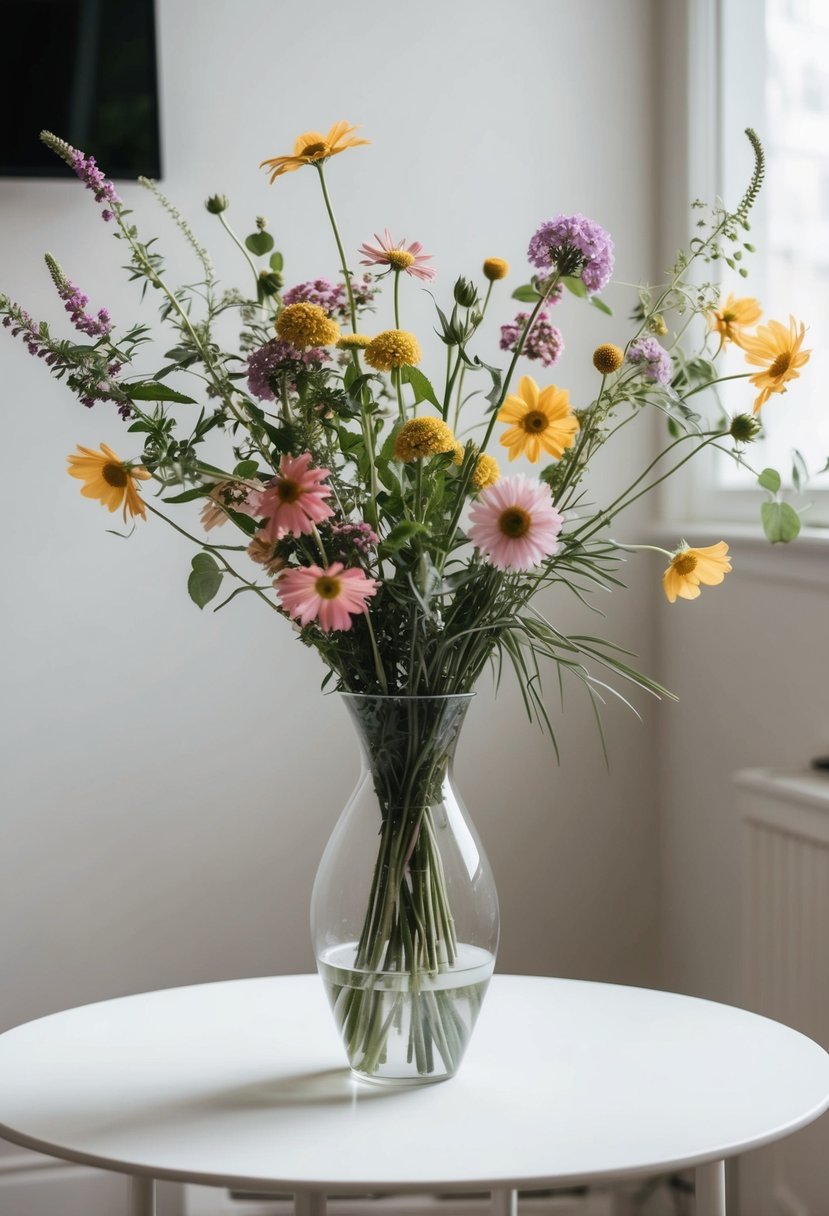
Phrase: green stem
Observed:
(240, 246)
(351, 306)
(214, 549)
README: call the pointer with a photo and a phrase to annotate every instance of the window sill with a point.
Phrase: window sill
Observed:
(805, 560)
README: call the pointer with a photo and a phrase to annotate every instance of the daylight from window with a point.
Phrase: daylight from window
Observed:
(794, 277)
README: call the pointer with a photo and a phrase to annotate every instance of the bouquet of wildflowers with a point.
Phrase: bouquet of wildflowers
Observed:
(365, 502)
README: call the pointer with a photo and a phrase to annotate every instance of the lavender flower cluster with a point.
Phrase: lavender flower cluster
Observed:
(262, 364)
(652, 359)
(332, 298)
(574, 245)
(544, 341)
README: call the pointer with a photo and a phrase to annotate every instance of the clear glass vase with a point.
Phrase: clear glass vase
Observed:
(404, 912)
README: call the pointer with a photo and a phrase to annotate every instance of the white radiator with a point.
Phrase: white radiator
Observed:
(784, 825)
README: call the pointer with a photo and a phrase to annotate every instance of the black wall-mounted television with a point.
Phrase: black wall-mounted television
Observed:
(89, 74)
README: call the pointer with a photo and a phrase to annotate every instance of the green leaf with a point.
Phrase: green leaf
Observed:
(401, 533)
(422, 386)
(575, 286)
(151, 390)
(189, 495)
(780, 521)
(205, 579)
(259, 243)
(246, 469)
(602, 307)
(276, 262)
(527, 294)
(800, 470)
(769, 479)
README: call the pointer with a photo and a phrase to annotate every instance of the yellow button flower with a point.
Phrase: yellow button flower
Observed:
(305, 325)
(495, 268)
(608, 358)
(422, 437)
(393, 348)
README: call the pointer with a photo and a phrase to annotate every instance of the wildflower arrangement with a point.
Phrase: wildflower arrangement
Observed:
(364, 500)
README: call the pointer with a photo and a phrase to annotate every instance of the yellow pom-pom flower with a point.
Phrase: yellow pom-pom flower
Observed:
(608, 358)
(486, 472)
(353, 342)
(495, 268)
(422, 437)
(305, 325)
(393, 348)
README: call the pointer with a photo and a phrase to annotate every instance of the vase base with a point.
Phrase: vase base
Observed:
(405, 1029)
(409, 1082)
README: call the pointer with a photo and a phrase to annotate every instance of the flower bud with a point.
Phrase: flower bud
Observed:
(217, 203)
(269, 282)
(745, 427)
(657, 325)
(466, 294)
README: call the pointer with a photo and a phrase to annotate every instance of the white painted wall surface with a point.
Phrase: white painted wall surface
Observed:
(170, 776)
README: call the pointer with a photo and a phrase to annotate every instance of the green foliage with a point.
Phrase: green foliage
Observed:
(205, 579)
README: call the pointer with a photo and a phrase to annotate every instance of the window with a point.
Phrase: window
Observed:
(767, 64)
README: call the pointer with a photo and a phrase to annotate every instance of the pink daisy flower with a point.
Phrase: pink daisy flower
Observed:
(332, 597)
(515, 523)
(399, 255)
(294, 500)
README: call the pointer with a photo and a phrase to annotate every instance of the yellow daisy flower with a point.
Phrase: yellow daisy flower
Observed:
(690, 567)
(777, 350)
(542, 421)
(109, 479)
(732, 317)
(306, 325)
(312, 147)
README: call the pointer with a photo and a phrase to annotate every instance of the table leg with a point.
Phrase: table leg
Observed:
(309, 1203)
(504, 1202)
(710, 1189)
(140, 1196)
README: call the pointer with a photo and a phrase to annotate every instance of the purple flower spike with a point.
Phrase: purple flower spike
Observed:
(574, 245)
(87, 170)
(653, 360)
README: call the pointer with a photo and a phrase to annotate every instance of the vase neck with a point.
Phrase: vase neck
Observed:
(407, 743)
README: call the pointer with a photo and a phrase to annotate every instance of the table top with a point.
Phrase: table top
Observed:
(243, 1083)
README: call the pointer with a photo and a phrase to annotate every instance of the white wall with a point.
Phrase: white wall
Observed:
(171, 776)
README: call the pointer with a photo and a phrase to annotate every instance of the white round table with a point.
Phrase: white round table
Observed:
(243, 1084)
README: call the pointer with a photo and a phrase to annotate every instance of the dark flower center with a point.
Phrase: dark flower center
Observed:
(114, 475)
(684, 563)
(535, 421)
(514, 522)
(288, 491)
(327, 588)
(781, 364)
(315, 150)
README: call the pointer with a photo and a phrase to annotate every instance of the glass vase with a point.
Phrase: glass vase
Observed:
(404, 912)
